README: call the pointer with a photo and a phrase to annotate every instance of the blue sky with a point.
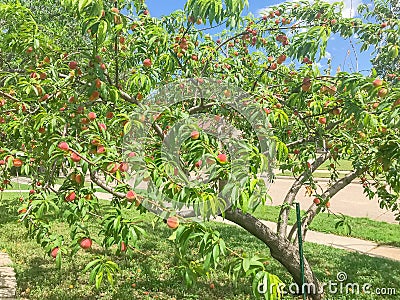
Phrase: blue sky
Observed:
(339, 50)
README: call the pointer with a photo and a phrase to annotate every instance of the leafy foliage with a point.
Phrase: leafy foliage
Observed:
(72, 92)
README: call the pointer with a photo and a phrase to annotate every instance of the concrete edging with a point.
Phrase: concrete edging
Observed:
(8, 282)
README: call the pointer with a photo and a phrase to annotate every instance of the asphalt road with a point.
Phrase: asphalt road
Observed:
(350, 201)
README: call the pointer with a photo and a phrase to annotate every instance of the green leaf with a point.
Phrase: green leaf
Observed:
(90, 265)
(246, 264)
(93, 273)
(58, 259)
(99, 278)
(102, 32)
(216, 253)
(82, 4)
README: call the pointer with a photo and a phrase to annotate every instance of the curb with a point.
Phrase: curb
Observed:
(8, 282)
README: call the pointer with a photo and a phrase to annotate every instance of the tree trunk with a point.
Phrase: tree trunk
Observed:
(281, 249)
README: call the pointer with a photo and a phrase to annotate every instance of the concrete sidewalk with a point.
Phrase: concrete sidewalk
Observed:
(341, 242)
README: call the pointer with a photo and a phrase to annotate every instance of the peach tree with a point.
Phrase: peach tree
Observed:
(81, 108)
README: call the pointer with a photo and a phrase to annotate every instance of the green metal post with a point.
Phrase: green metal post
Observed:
(300, 239)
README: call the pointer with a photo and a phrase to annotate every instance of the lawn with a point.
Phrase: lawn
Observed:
(152, 269)
(341, 165)
(363, 228)
(24, 186)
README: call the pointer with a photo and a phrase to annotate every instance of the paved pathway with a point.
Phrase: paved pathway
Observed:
(8, 283)
(342, 242)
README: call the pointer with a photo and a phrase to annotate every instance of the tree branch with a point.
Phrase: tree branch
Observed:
(329, 193)
(154, 207)
(200, 107)
(300, 141)
(291, 195)
(8, 96)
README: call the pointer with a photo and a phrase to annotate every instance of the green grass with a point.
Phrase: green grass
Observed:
(341, 165)
(153, 271)
(316, 174)
(23, 186)
(363, 228)
(19, 186)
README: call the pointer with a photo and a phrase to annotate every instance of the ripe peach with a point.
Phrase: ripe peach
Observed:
(222, 158)
(102, 126)
(22, 210)
(92, 116)
(123, 249)
(54, 252)
(97, 83)
(123, 167)
(17, 162)
(100, 149)
(70, 197)
(94, 96)
(72, 65)
(194, 135)
(173, 222)
(147, 63)
(75, 157)
(85, 243)
(130, 195)
(377, 82)
(112, 167)
(63, 146)
(382, 92)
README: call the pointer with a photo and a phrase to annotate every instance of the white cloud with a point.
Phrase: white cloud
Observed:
(349, 9)
(328, 55)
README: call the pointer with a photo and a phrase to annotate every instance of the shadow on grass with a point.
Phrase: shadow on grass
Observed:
(8, 210)
(152, 271)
